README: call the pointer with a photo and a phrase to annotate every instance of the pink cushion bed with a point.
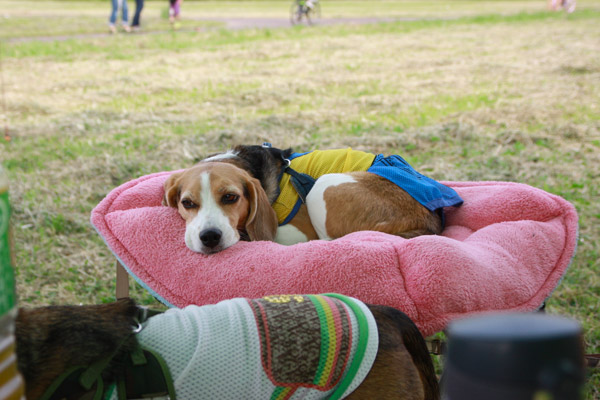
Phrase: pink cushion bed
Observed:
(505, 249)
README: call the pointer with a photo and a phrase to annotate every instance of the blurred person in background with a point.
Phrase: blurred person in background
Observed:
(174, 11)
(116, 4)
(135, 23)
(567, 5)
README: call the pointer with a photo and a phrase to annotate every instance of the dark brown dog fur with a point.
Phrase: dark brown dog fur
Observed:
(391, 376)
(52, 339)
(264, 164)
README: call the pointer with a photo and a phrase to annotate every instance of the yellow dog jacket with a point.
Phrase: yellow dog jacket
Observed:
(296, 180)
(315, 164)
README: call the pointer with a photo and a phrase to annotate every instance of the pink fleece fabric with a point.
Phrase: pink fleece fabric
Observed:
(505, 249)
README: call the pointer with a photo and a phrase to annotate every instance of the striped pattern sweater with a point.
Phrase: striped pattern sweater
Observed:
(276, 347)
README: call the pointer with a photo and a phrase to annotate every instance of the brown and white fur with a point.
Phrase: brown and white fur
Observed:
(51, 340)
(228, 197)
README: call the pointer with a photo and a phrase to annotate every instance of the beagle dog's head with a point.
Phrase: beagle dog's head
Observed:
(219, 202)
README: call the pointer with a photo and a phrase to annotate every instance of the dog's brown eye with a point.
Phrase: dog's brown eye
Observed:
(188, 204)
(229, 198)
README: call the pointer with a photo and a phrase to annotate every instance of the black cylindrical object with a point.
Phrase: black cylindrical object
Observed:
(514, 356)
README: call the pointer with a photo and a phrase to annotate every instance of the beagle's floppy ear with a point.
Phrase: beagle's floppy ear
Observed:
(262, 220)
(172, 190)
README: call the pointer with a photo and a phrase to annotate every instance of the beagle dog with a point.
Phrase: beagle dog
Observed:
(265, 193)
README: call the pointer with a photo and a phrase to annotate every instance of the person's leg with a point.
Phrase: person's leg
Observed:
(139, 4)
(178, 8)
(125, 11)
(113, 16)
(171, 11)
(136, 16)
(125, 16)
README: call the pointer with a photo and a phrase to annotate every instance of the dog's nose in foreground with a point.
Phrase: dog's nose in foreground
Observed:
(211, 237)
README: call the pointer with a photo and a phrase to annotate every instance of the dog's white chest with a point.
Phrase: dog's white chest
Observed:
(289, 235)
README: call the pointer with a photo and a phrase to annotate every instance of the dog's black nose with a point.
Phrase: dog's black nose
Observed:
(211, 237)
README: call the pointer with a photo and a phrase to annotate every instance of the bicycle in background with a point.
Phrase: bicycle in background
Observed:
(307, 10)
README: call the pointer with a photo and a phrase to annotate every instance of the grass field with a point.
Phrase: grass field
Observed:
(465, 90)
(30, 18)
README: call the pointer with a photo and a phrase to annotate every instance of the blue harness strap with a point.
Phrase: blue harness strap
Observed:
(302, 183)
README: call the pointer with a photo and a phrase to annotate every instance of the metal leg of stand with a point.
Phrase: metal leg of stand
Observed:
(122, 282)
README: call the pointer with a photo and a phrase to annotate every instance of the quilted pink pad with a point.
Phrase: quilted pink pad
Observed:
(505, 249)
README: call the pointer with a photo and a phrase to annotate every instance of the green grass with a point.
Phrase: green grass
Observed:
(119, 48)
(470, 90)
(280, 8)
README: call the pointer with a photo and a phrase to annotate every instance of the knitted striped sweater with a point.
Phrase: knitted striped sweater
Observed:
(277, 347)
